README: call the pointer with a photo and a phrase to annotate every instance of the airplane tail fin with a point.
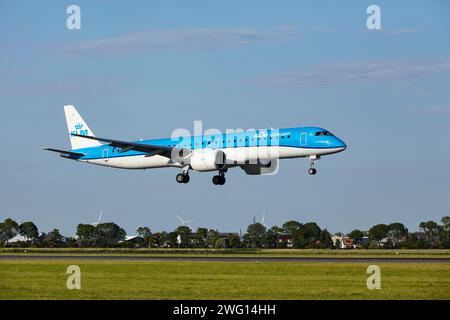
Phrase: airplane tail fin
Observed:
(76, 125)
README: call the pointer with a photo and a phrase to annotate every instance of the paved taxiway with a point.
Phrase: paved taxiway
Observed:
(226, 259)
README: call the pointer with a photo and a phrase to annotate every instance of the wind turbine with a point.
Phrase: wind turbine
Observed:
(262, 221)
(99, 219)
(185, 222)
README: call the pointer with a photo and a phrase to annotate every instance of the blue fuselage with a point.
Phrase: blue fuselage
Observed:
(313, 138)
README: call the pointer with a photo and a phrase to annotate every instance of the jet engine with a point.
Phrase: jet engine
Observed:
(208, 160)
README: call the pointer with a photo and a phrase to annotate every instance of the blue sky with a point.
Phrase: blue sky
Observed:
(143, 70)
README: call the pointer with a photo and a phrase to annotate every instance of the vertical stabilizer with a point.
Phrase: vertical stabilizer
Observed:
(76, 125)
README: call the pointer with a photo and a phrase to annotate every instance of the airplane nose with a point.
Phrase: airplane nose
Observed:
(340, 144)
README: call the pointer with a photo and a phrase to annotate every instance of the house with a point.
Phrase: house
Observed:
(344, 242)
(347, 243)
(421, 235)
(135, 241)
(18, 238)
(387, 242)
(335, 238)
(364, 241)
(285, 239)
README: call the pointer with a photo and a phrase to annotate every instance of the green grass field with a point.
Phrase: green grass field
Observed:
(27, 279)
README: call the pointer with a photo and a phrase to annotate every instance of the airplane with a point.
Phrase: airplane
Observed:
(257, 152)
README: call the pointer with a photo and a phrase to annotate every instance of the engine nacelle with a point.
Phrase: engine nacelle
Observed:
(208, 160)
(257, 169)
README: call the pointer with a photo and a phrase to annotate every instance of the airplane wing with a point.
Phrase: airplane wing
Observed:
(125, 146)
(65, 153)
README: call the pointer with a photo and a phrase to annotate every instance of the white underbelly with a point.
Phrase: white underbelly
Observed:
(134, 162)
(239, 155)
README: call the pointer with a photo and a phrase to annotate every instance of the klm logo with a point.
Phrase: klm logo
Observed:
(79, 130)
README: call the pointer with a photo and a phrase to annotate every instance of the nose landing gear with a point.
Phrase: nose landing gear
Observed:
(312, 161)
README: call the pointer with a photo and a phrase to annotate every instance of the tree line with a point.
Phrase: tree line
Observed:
(292, 234)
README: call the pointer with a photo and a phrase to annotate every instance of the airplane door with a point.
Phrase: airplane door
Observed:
(303, 136)
(105, 155)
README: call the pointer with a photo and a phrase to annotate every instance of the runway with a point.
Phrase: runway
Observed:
(225, 259)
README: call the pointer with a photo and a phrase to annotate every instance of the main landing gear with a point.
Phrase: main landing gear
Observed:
(312, 160)
(183, 177)
(220, 179)
(217, 180)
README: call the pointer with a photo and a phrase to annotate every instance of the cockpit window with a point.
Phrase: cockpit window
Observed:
(323, 133)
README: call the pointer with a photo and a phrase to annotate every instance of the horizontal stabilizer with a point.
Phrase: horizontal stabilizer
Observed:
(65, 153)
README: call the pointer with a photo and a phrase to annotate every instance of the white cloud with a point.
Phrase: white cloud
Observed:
(207, 38)
(179, 39)
(432, 111)
(401, 31)
(85, 86)
(348, 72)
(321, 29)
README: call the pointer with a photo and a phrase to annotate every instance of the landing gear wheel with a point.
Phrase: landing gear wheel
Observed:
(180, 178)
(183, 178)
(219, 180)
(312, 171)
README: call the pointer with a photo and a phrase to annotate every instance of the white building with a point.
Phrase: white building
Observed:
(18, 238)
